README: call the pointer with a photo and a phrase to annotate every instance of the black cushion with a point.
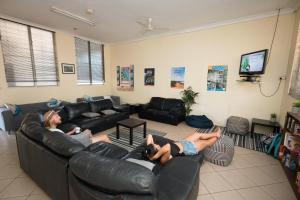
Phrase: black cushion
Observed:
(172, 103)
(156, 103)
(104, 104)
(107, 150)
(32, 126)
(112, 175)
(76, 109)
(62, 144)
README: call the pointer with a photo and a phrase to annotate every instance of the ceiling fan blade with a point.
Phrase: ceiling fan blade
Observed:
(142, 24)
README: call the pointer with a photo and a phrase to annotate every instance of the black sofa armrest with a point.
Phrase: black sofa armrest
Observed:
(62, 144)
(145, 106)
(107, 150)
(122, 108)
(112, 175)
(179, 179)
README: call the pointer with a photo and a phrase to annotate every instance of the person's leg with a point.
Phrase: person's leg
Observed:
(163, 150)
(202, 144)
(99, 138)
(203, 136)
(165, 157)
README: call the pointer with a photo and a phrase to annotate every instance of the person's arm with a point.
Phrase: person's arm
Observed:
(163, 150)
(71, 132)
(149, 139)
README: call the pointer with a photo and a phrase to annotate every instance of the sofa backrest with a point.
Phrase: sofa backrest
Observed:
(172, 103)
(74, 110)
(157, 103)
(97, 106)
(113, 176)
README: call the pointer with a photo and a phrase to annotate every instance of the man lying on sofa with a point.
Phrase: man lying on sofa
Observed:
(52, 120)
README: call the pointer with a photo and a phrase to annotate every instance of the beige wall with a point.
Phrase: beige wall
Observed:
(197, 50)
(67, 89)
(287, 100)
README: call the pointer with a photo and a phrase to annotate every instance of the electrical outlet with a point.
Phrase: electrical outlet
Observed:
(282, 77)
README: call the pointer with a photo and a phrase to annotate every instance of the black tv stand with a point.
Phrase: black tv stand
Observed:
(250, 78)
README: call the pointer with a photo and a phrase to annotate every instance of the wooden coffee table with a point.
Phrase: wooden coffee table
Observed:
(131, 124)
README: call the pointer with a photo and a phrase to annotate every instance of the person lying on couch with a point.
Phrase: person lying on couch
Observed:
(52, 120)
(191, 145)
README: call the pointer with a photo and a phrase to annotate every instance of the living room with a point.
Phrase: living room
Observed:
(174, 41)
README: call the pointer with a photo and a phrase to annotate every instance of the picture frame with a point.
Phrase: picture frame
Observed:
(68, 68)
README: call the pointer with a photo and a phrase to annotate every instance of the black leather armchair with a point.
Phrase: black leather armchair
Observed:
(170, 111)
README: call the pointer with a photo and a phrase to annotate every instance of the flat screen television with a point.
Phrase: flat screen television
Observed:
(253, 63)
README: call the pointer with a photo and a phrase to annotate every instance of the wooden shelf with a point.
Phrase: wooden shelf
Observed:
(291, 175)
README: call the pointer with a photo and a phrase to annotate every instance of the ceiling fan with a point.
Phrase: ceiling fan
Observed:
(148, 26)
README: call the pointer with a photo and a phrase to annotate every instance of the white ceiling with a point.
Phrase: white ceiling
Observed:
(116, 19)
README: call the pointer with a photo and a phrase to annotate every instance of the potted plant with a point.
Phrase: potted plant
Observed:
(273, 117)
(188, 96)
(296, 107)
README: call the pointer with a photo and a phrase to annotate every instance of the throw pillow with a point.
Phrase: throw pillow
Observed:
(108, 112)
(90, 114)
(144, 163)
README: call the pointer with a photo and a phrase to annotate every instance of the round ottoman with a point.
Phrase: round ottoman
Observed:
(221, 153)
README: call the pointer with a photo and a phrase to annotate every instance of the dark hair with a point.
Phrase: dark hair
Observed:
(149, 151)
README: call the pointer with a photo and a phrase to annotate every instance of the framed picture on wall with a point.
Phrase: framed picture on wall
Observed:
(68, 68)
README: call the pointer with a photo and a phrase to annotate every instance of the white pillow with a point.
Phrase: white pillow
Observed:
(108, 112)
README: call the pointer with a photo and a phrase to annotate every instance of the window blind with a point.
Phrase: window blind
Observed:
(28, 53)
(90, 62)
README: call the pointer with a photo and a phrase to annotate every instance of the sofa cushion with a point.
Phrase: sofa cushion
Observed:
(172, 103)
(156, 103)
(113, 175)
(98, 106)
(32, 127)
(90, 114)
(108, 112)
(76, 109)
(62, 144)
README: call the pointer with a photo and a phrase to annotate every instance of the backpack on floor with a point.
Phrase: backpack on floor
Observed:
(275, 145)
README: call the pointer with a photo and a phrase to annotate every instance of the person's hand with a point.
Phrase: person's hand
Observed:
(71, 132)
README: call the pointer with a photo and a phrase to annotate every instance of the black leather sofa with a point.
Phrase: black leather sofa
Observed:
(65, 169)
(45, 155)
(165, 110)
(72, 116)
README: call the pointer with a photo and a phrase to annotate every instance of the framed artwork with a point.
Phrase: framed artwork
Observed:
(68, 68)
(177, 77)
(217, 78)
(149, 76)
(125, 78)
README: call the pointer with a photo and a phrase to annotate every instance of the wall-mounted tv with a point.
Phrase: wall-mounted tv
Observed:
(253, 63)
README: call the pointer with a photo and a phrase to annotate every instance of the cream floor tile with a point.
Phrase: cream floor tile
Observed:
(202, 189)
(205, 197)
(241, 151)
(4, 183)
(254, 193)
(280, 191)
(214, 182)
(38, 197)
(275, 172)
(257, 176)
(240, 161)
(19, 187)
(9, 171)
(236, 179)
(15, 198)
(206, 168)
(228, 195)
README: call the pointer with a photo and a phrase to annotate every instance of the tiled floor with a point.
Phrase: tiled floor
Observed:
(251, 176)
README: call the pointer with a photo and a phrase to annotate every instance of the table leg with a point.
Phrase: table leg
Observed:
(118, 132)
(145, 129)
(131, 130)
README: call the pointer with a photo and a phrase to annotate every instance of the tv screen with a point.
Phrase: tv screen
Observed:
(253, 63)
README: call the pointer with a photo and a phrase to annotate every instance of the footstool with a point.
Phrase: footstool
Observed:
(221, 153)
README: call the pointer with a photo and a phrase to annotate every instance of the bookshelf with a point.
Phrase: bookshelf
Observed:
(291, 129)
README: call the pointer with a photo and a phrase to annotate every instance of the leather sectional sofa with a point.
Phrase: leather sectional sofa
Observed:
(72, 115)
(65, 169)
(165, 110)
